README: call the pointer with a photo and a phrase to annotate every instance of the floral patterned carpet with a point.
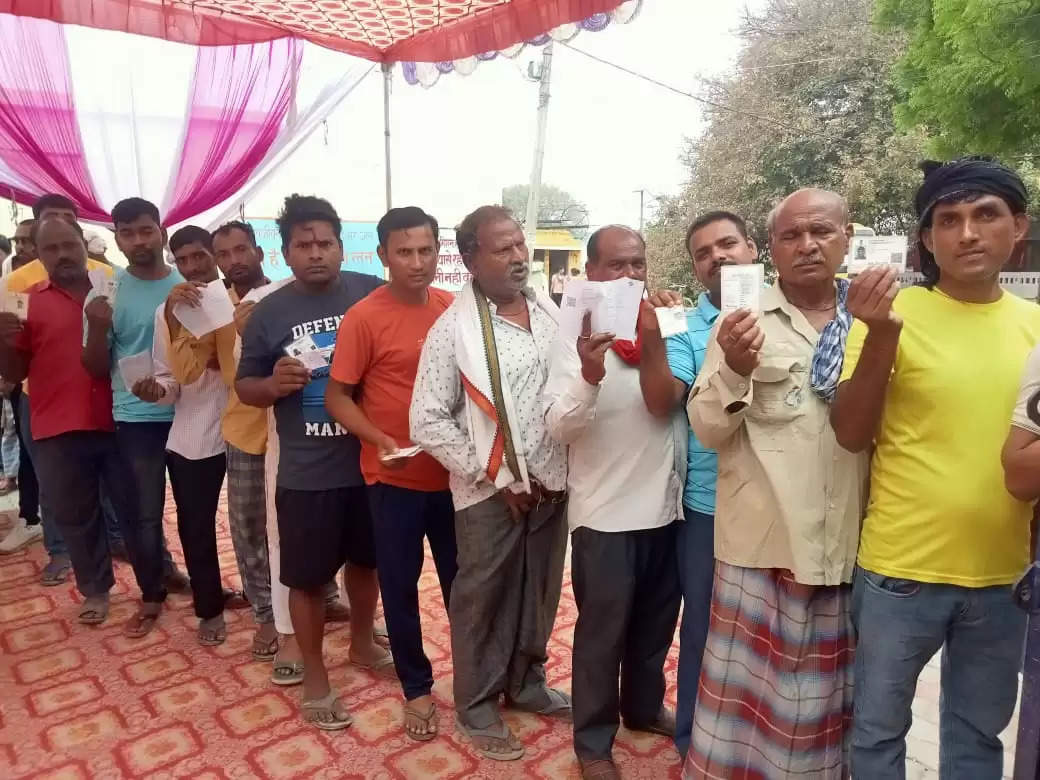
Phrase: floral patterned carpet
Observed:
(80, 702)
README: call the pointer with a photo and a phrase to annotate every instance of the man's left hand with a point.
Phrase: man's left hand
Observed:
(148, 389)
(662, 299)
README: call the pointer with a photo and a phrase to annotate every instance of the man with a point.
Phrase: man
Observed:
(625, 476)
(929, 382)
(195, 449)
(5, 248)
(477, 408)
(24, 249)
(377, 359)
(323, 516)
(142, 429)
(786, 521)
(72, 412)
(559, 282)
(34, 503)
(667, 373)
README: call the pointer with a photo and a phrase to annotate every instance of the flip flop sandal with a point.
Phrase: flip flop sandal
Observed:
(211, 637)
(429, 719)
(140, 625)
(94, 612)
(264, 650)
(498, 735)
(384, 667)
(559, 705)
(313, 709)
(235, 599)
(55, 572)
(287, 673)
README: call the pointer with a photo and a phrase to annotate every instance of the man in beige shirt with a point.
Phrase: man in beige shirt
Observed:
(776, 682)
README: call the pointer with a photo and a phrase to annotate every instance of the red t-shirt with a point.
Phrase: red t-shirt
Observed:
(64, 396)
(377, 349)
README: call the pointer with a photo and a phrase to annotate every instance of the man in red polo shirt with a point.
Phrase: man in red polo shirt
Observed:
(71, 410)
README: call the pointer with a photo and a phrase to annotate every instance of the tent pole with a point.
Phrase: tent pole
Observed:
(387, 69)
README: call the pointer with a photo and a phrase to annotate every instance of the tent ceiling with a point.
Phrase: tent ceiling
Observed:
(379, 30)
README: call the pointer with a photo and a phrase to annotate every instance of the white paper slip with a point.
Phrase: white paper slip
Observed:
(578, 298)
(671, 320)
(215, 310)
(313, 359)
(16, 303)
(867, 251)
(104, 284)
(406, 452)
(257, 295)
(133, 368)
(742, 287)
(613, 308)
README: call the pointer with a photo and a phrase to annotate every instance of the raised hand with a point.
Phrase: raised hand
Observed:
(870, 298)
(592, 350)
(741, 340)
(289, 376)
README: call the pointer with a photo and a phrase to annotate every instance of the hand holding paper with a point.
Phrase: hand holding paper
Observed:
(613, 307)
(134, 368)
(213, 311)
(17, 304)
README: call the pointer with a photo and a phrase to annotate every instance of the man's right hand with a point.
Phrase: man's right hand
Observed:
(186, 293)
(10, 327)
(99, 313)
(870, 298)
(289, 376)
(592, 350)
(741, 340)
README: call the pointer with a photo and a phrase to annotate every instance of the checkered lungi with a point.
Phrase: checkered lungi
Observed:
(775, 696)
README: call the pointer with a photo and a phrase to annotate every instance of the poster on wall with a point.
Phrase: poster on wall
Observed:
(359, 253)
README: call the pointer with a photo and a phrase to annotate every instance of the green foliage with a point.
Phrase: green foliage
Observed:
(555, 206)
(812, 99)
(970, 75)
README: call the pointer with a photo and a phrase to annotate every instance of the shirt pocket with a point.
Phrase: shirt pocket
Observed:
(780, 384)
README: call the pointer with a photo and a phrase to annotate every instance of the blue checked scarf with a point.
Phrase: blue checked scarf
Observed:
(830, 349)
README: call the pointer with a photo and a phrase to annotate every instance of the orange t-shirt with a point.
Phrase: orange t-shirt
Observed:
(377, 349)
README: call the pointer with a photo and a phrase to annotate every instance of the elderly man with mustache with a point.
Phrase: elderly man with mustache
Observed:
(775, 697)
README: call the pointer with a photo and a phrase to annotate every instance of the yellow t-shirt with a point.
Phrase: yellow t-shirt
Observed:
(938, 509)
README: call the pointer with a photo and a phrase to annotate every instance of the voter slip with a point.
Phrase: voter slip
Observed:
(406, 452)
(671, 320)
(307, 352)
(742, 288)
(104, 285)
(16, 303)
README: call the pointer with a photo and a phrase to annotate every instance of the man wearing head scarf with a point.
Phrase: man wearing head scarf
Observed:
(775, 696)
(929, 382)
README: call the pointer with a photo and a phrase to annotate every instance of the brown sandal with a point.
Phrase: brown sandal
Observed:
(140, 625)
(428, 719)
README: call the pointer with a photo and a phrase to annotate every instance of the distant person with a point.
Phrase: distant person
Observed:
(557, 285)
(5, 248)
(323, 512)
(625, 473)
(477, 408)
(369, 393)
(929, 383)
(24, 249)
(96, 248)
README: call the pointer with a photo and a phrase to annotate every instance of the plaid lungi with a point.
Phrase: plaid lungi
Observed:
(775, 695)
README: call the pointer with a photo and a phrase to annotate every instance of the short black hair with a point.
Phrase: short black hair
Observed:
(592, 250)
(53, 201)
(236, 224)
(298, 209)
(575, 272)
(38, 223)
(28, 222)
(711, 217)
(466, 232)
(190, 234)
(5, 244)
(404, 218)
(133, 208)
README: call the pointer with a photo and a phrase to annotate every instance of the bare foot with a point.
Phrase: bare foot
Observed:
(373, 658)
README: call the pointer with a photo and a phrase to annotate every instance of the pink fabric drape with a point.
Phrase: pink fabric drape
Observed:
(240, 98)
(40, 146)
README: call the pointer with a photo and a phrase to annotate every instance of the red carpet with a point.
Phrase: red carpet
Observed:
(80, 702)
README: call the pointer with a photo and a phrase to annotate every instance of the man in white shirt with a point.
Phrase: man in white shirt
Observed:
(626, 470)
(558, 283)
(195, 449)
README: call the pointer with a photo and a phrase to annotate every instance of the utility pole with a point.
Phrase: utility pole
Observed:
(642, 194)
(535, 184)
(387, 72)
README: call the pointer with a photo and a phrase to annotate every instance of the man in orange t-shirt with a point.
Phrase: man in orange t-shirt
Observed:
(369, 392)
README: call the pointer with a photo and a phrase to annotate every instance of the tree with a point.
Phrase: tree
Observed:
(809, 104)
(970, 74)
(556, 207)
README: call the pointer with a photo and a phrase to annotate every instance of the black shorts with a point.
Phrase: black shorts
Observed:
(319, 531)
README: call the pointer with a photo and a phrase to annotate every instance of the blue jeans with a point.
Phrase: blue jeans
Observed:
(139, 506)
(696, 548)
(901, 624)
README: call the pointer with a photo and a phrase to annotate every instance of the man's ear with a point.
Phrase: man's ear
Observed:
(382, 255)
(1021, 226)
(753, 247)
(926, 239)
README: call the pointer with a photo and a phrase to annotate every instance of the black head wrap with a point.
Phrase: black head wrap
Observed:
(963, 177)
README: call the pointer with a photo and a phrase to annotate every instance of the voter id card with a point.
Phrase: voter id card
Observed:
(307, 352)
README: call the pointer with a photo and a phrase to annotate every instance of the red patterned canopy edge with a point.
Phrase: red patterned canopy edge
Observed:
(379, 30)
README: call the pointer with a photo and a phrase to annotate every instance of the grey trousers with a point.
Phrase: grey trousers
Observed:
(503, 605)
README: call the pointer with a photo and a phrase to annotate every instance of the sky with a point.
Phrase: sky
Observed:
(458, 144)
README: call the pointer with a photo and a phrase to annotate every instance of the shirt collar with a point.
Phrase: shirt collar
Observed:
(773, 299)
(527, 292)
(707, 309)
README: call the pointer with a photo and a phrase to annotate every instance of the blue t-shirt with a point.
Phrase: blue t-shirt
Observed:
(133, 328)
(685, 358)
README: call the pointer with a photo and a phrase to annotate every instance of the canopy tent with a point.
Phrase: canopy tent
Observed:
(242, 84)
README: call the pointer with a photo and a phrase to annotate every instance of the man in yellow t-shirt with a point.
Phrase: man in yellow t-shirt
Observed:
(930, 380)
